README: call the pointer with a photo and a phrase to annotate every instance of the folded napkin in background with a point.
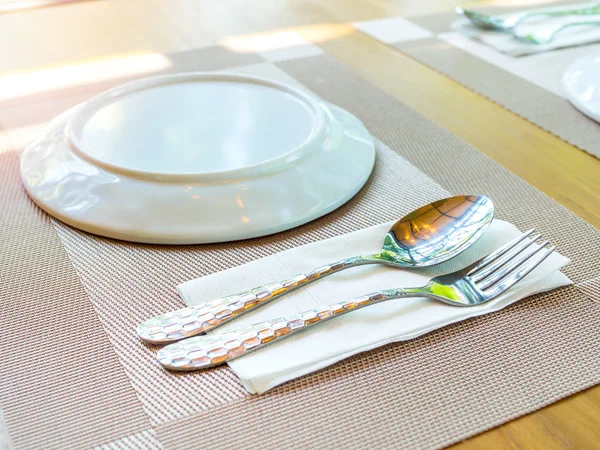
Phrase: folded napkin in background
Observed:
(507, 43)
(360, 330)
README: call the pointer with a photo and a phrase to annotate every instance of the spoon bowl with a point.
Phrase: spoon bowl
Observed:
(487, 22)
(429, 235)
(437, 232)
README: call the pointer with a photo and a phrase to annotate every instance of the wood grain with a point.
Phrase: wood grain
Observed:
(98, 30)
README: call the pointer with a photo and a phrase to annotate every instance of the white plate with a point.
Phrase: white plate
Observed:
(197, 158)
(582, 85)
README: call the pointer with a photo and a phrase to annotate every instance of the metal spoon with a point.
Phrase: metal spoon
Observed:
(508, 23)
(427, 236)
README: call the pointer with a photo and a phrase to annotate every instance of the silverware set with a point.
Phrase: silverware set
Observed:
(429, 235)
(545, 32)
(471, 286)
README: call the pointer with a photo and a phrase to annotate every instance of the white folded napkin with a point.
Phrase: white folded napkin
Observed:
(507, 43)
(360, 330)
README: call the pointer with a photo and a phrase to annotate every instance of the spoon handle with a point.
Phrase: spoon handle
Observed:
(199, 319)
(547, 33)
(564, 10)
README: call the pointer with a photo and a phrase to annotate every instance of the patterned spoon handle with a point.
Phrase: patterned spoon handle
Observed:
(202, 352)
(199, 319)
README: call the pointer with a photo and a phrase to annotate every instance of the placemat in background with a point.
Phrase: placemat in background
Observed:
(530, 86)
(76, 375)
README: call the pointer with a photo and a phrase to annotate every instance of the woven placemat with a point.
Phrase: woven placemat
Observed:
(75, 375)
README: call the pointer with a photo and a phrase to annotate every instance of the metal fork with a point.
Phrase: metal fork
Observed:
(478, 283)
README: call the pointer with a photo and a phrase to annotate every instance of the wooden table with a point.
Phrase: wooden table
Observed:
(74, 34)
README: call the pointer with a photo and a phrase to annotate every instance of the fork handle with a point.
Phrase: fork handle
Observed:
(199, 319)
(202, 352)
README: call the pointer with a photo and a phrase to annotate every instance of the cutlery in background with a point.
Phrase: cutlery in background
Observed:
(509, 23)
(546, 33)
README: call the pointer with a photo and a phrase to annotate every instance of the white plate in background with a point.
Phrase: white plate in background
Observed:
(582, 85)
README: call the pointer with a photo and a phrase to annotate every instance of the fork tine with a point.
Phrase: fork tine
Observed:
(517, 275)
(504, 258)
(497, 253)
(509, 267)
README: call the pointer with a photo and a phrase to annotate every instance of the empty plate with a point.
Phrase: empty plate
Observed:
(582, 85)
(197, 158)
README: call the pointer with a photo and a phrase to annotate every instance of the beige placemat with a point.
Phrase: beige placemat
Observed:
(75, 375)
(530, 86)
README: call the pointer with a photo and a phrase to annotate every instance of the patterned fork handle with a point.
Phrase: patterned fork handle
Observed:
(203, 352)
(199, 319)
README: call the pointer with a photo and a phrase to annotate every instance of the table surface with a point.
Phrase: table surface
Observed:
(73, 34)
